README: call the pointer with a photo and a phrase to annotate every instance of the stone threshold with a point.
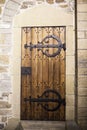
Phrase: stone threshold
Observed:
(49, 125)
(15, 124)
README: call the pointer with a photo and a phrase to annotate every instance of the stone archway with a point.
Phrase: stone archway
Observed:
(46, 19)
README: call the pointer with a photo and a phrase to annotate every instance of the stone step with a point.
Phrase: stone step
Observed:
(43, 125)
(16, 124)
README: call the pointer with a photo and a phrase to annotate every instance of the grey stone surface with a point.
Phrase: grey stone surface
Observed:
(43, 125)
(1, 126)
(5, 112)
(3, 69)
(5, 49)
(4, 76)
(4, 104)
(13, 124)
(5, 85)
(72, 125)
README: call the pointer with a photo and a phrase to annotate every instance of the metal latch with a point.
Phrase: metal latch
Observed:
(26, 70)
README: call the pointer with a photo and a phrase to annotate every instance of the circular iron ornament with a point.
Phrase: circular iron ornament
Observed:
(40, 46)
(45, 99)
(57, 100)
(59, 46)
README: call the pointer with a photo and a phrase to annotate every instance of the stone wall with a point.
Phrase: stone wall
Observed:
(82, 62)
(5, 77)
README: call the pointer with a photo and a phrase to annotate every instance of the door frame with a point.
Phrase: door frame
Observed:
(70, 54)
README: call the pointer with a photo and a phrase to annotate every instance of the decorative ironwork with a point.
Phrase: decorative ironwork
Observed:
(26, 70)
(40, 46)
(44, 100)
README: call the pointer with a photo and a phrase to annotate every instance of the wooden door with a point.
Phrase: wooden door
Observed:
(42, 77)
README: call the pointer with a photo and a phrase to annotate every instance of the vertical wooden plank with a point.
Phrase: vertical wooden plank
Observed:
(25, 52)
(62, 73)
(39, 73)
(23, 78)
(50, 73)
(34, 73)
(45, 73)
(29, 86)
(56, 74)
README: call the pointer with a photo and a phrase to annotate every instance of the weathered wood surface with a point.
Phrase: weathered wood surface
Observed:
(47, 73)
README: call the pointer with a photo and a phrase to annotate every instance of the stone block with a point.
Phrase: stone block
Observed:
(82, 64)
(5, 50)
(82, 71)
(2, 2)
(4, 119)
(70, 100)
(6, 30)
(70, 65)
(8, 39)
(82, 55)
(70, 44)
(50, 1)
(82, 114)
(70, 112)
(59, 1)
(82, 43)
(85, 34)
(82, 16)
(2, 38)
(82, 101)
(82, 81)
(81, 1)
(3, 69)
(82, 91)
(5, 94)
(4, 104)
(5, 86)
(1, 98)
(81, 34)
(82, 7)
(82, 25)
(0, 118)
(15, 68)
(4, 59)
(5, 38)
(5, 76)
(5, 112)
(70, 82)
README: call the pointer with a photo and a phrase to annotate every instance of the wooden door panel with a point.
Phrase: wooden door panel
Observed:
(45, 75)
(62, 73)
